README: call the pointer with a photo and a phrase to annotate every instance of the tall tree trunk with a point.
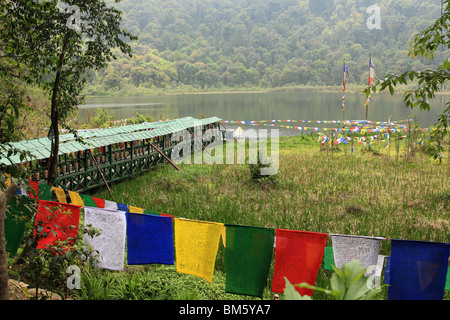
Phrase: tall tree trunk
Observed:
(54, 115)
(5, 196)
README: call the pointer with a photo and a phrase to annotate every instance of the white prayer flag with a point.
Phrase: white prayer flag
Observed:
(110, 205)
(349, 247)
(110, 244)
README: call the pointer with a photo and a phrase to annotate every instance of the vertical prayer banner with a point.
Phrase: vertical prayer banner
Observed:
(18, 213)
(349, 247)
(298, 255)
(149, 239)
(59, 222)
(110, 244)
(196, 246)
(248, 255)
(418, 270)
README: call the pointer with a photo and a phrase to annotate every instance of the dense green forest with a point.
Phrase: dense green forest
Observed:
(211, 44)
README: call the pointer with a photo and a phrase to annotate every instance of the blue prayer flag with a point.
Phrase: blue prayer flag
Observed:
(149, 239)
(418, 270)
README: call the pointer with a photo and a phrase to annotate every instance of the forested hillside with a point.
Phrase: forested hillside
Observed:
(263, 43)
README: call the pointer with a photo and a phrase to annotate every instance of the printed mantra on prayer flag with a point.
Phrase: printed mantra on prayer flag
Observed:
(196, 245)
(110, 244)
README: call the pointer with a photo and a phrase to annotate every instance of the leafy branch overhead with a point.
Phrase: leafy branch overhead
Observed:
(429, 81)
(57, 58)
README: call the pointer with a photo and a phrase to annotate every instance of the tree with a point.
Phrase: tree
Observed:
(428, 81)
(58, 43)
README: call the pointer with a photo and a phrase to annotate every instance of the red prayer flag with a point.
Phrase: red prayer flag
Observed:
(100, 203)
(35, 186)
(298, 255)
(59, 220)
(166, 215)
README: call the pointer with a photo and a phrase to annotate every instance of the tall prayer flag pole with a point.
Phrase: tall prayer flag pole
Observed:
(344, 82)
(371, 77)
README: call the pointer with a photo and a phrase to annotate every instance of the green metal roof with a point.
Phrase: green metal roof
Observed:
(41, 148)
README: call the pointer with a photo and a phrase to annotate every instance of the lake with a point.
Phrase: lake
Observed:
(266, 106)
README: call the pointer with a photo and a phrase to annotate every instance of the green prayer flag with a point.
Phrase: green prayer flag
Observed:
(248, 254)
(18, 213)
(447, 282)
(45, 192)
(329, 258)
(151, 212)
(88, 201)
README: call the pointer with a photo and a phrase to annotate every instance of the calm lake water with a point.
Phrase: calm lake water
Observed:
(266, 106)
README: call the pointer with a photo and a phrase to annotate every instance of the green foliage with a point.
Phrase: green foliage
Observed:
(347, 283)
(427, 82)
(155, 282)
(213, 44)
(58, 58)
(47, 267)
(102, 119)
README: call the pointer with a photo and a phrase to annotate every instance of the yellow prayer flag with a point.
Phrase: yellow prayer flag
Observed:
(196, 245)
(8, 180)
(75, 198)
(135, 209)
(60, 194)
(224, 238)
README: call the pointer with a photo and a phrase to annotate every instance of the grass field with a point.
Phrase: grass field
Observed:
(369, 193)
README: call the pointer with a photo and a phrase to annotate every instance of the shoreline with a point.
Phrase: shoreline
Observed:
(355, 89)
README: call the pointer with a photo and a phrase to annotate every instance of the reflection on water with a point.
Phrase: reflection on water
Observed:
(266, 106)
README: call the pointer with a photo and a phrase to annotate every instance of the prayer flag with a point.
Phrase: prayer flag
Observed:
(60, 194)
(100, 203)
(75, 198)
(196, 245)
(371, 72)
(418, 270)
(18, 213)
(344, 82)
(110, 205)
(122, 207)
(447, 281)
(34, 192)
(149, 239)
(298, 255)
(248, 255)
(349, 247)
(146, 211)
(134, 209)
(88, 200)
(110, 244)
(45, 192)
(59, 222)
(329, 258)
(167, 215)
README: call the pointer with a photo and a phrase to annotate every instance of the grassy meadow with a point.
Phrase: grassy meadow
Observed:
(369, 193)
